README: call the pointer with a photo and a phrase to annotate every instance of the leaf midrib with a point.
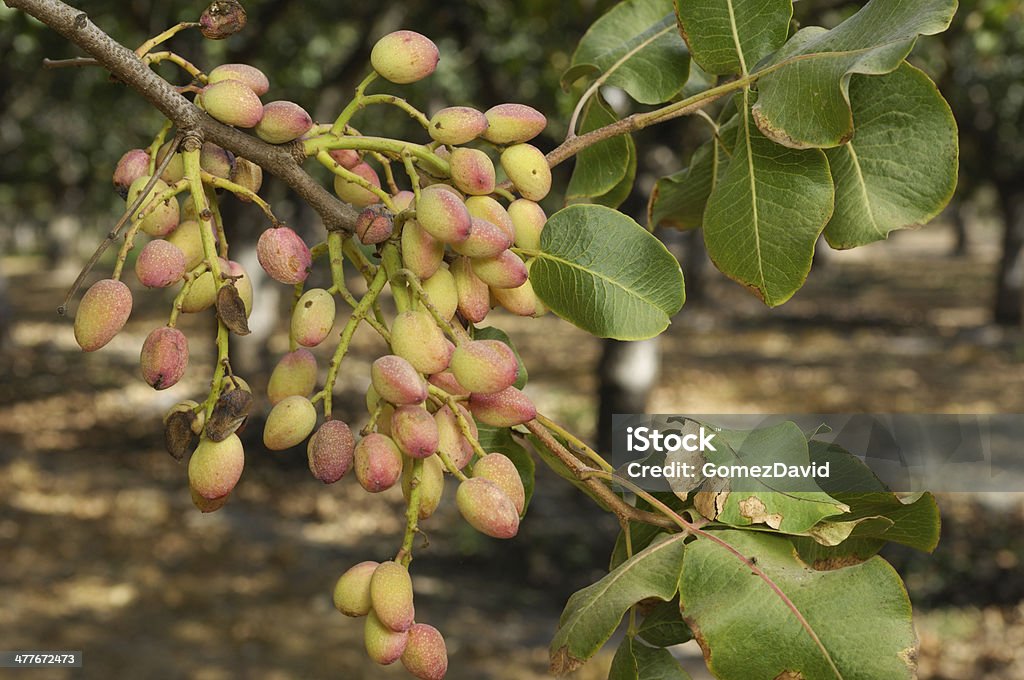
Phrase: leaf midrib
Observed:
(629, 291)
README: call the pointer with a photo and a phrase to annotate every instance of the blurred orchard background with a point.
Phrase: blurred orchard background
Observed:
(100, 547)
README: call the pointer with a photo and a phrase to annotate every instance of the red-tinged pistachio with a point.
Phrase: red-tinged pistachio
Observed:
(414, 431)
(289, 423)
(164, 357)
(101, 315)
(472, 171)
(248, 175)
(232, 102)
(422, 254)
(485, 240)
(457, 125)
(216, 160)
(352, 591)
(487, 508)
(313, 317)
(513, 123)
(522, 301)
(500, 469)
(404, 57)
(378, 462)
(442, 293)
(450, 439)
(283, 122)
(397, 382)
(383, 645)
(353, 193)
(216, 467)
(483, 366)
(374, 225)
(403, 200)
(160, 264)
(528, 170)
(502, 409)
(529, 220)
(283, 255)
(447, 381)
(206, 505)
(504, 270)
(250, 75)
(346, 158)
(391, 595)
(161, 219)
(133, 165)
(331, 451)
(443, 214)
(425, 655)
(294, 375)
(416, 338)
(431, 484)
(487, 208)
(474, 297)
(223, 18)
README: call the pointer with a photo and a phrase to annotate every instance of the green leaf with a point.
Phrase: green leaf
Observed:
(493, 333)
(591, 615)
(805, 102)
(860, 614)
(636, 661)
(638, 46)
(664, 626)
(900, 169)
(500, 440)
(603, 167)
(789, 505)
(678, 200)
(729, 37)
(765, 214)
(603, 272)
(621, 191)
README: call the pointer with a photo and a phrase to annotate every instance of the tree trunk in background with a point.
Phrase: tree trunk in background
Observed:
(627, 372)
(1009, 302)
(960, 212)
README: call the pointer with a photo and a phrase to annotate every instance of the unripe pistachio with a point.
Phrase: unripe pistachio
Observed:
(457, 125)
(422, 254)
(425, 655)
(352, 591)
(513, 123)
(353, 193)
(331, 451)
(504, 270)
(485, 240)
(472, 171)
(187, 237)
(232, 102)
(378, 462)
(483, 366)
(443, 214)
(216, 467)
(216, 160)
(503, 409)
(283, 255)
(446, 381)
(159, 264)
(397, 382)
(450, 439)
(346, 158)
(289, 423)
(485, 207)
(201, 296)
(487, 508)
(403, 200)
(294, 375)
(313, 317)
(248, 175)
(474, 298)
(132, 165)
(528, 170)
(391, 595)
(162, 219)
(441, 292)
(431, 484)
(175, 169)
(250, 75)
(243, 284)
(529, 220)
(522, 301)
(500, 469)
(416, 338)
(164, 357)
(283, 122)
(102, 313)
(383, 645)
(404, 57)
(414, 431)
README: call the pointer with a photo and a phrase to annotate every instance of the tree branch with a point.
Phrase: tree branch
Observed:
(281, 161)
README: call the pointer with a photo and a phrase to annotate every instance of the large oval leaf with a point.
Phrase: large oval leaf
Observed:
(603, 272)
(730, 36)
